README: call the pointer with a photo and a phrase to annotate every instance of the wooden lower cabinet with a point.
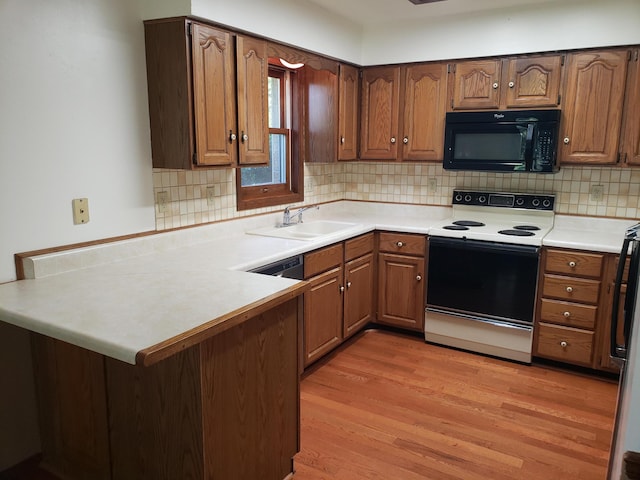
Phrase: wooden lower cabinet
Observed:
(401, 285)
(573, 318)
(340, 300)
(227, 407)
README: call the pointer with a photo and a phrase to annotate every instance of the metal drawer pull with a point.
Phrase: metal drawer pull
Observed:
(495, 85)
(572, 264)
(419, 277)
(566, 314)
(564, 344)
(400, 244)
(569, 289)
(393, 139)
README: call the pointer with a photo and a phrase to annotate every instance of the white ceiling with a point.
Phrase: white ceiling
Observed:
(374, 12)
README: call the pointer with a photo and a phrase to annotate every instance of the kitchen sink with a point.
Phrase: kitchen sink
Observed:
(307, 230)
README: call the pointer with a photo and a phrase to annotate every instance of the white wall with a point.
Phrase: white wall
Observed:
(73, 123)
(297, 22)
(544, 27)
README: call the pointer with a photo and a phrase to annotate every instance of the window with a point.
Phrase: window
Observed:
(281, 181)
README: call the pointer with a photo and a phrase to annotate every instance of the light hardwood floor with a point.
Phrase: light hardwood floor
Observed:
(389, 406)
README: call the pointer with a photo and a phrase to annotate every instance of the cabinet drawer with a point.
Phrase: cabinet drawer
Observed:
(571, 288)
(356, 247)
(322, 260)
(566, 344)
(403, 243)
(574, 263)
(567, 313)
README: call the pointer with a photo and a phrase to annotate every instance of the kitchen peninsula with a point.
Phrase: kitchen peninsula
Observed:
(162, 357)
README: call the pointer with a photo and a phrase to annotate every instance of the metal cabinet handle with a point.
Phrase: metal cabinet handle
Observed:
(572, 264)
(566, 140)
(566, 314)
(232, 136)
(244, 137)
(341, 289)
(342, 140)
(564, 344)
(569, 289)
(348, 284)
(393, 139)
(419, 277)
(495, 85)
(405, 140)
(512, 84)
(400, 244)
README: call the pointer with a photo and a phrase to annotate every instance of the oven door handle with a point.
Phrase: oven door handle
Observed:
(482, 246)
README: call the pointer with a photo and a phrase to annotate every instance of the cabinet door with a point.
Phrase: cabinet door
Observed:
(323, 315)
(476, 85)
(401, 291)
(631, 128)
(592, 113)
(252, 65)
(380, 97)
(358, 300)
(425, 105)
(532, 82)
(321, 112)
(348, 90)
(214, 94)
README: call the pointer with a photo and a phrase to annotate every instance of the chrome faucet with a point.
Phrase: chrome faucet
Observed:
(287, 217)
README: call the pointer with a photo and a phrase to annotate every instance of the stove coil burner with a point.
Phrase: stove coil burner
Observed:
(517, 233)
(468, 223)
(455, 227)
(527, 227)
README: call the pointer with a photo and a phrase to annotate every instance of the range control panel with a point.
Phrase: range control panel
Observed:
(527, 201)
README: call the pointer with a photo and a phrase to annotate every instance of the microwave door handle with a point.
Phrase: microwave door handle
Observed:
(615, 349)
(528, 148)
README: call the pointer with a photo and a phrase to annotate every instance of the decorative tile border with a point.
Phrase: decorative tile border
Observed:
(422, 184)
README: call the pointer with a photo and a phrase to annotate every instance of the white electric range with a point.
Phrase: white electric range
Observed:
(483, 272)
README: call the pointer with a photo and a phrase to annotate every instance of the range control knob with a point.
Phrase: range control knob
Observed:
(482, 199)
(546, 203)
(458, 197)
(519, 201)
(467, 198)
(536, 202)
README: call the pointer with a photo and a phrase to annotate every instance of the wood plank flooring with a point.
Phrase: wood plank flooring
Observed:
(390, 406)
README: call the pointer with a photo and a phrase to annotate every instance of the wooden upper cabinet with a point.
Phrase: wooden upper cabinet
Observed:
(630, 150)
(425, 104)
(253, 111)
(476, 85)
(348, 100)
(198, 77)
(320, 131)
(532, 82)
(214, 94)
(379, 110)
(592, 113)
(522, 82)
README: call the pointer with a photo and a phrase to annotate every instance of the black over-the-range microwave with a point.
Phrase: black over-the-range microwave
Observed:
(503, 141)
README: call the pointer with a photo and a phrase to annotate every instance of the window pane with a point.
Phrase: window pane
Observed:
(276, 171)
(274, 103)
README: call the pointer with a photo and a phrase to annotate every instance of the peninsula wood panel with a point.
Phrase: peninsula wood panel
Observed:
(72, 409)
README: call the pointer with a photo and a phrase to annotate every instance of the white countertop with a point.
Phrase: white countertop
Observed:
(164, 285)
(121, 298)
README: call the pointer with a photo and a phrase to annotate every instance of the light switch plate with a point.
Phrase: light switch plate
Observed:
(597, 193)
(80, 210)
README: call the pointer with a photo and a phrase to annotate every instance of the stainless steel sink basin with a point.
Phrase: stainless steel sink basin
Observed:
(306, 231)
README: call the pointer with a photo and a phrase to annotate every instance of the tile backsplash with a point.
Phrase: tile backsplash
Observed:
(207, 196)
